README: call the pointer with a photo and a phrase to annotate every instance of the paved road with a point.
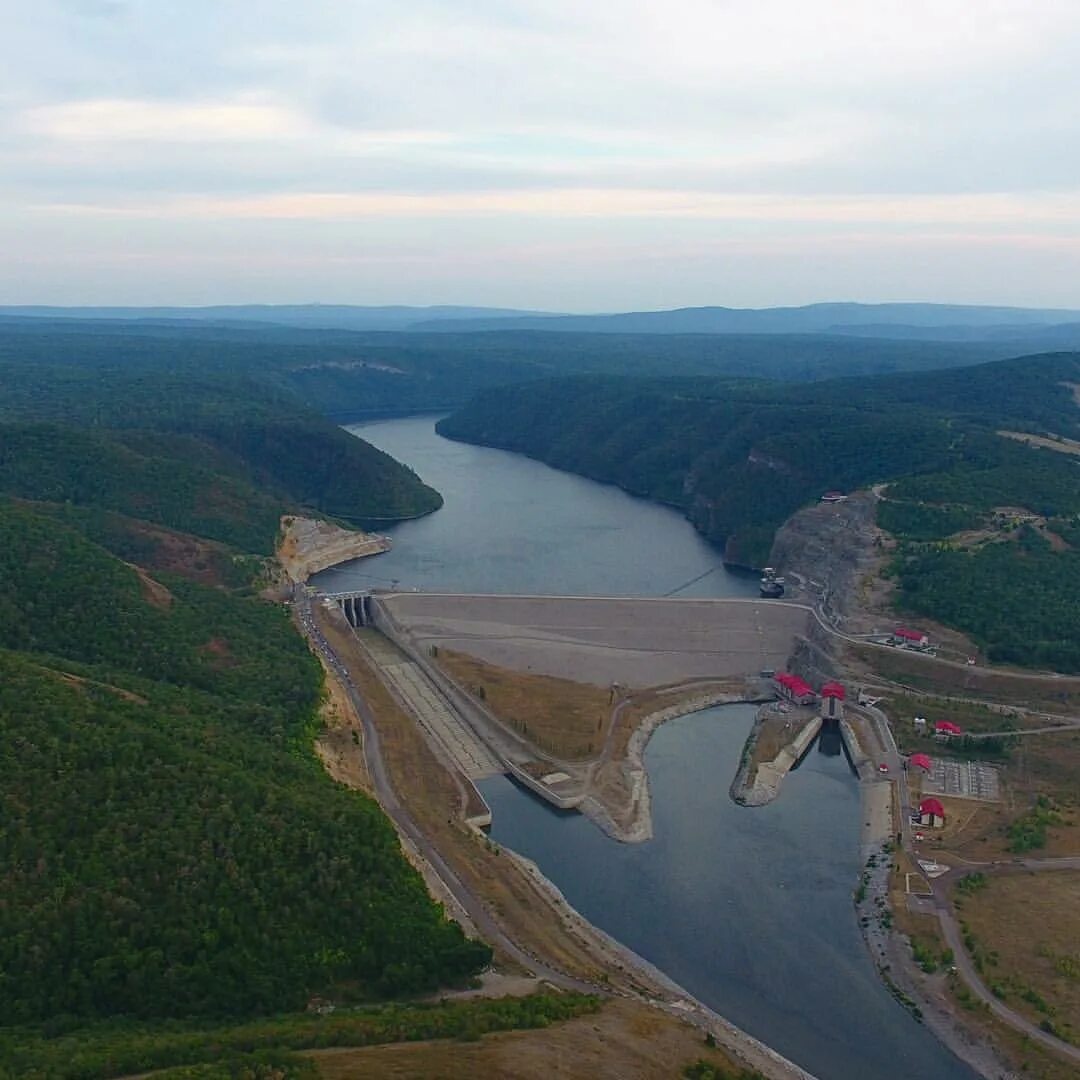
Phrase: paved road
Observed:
(1067, 724)
(950, 928)
(954, 938)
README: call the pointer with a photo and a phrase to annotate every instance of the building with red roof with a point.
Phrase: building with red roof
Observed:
(921, 761)
(946, 729)
(832, 701)
(793, 688)
(931, 812)
(910, 639)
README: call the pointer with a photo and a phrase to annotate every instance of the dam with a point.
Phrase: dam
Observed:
(751, 909)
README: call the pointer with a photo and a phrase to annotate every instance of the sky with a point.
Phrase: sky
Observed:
(550, 154)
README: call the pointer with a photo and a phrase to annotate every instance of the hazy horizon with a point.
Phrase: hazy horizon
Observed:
(612, 157)
(6, 305)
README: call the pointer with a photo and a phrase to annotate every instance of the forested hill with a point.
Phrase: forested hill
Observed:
(347, 375)
(170, 845)
(739, 456)
(214, 452)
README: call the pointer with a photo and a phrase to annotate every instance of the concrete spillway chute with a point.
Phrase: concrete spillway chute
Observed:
(355, 606)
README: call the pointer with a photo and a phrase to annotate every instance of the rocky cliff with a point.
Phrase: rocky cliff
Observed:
(308, 545)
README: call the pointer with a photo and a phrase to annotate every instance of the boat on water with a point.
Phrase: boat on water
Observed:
(772, 585)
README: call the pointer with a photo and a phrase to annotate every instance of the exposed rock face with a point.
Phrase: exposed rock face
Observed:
(308, 546)
(813, 657)
(830, 548)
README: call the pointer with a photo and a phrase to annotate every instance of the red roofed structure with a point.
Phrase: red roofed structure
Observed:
(947, 729)
(931, 812)
(921, 761)
(793, 688)
(832, 702)
(902, 635)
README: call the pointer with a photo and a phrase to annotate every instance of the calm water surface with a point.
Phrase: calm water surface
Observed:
(750, 909)
(510, 524)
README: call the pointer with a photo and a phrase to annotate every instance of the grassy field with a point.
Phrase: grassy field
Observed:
(1030, 766)
(776, 732)
(930, 953)
(998, 685)
(623, 1040)
(566, 719)
(969, 715)
(1025, 929)
(924, 931)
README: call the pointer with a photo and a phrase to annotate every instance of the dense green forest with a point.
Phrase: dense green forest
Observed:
(739, 456)
(223, 454)
(992, 547)
(1018, 598)
(171, 849)
(348, 375)
(170, 846)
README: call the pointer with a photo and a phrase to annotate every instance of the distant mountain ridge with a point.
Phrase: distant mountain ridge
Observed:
(955, 322)
(349, 374)
(314, 316)
(834, 318)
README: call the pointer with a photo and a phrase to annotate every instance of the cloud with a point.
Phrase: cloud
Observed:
(777, 117)
(106, 120)
(1060, 210)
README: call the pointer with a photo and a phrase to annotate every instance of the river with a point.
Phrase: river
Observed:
(514, 525)
(750, 909)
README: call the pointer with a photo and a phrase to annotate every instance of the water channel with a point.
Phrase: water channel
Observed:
(750, 909)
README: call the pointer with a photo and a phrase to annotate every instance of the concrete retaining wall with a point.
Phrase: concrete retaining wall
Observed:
(563, 802)
(862, 764)
(770, 774)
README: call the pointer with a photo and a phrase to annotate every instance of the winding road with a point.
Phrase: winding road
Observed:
(965, 966)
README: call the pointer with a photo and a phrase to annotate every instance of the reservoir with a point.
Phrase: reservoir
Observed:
(750, 909)
(513, 525)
